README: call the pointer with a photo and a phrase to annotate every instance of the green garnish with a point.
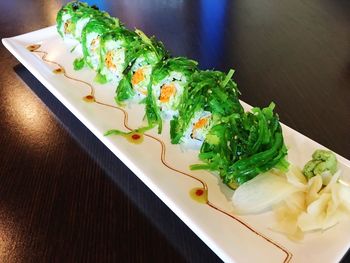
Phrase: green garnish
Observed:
(124, 90)
(243, 145)
(322, 161)
(119, 132)
(78, 63)
(101, 79)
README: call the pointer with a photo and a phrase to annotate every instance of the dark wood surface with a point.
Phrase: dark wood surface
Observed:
(65, 198)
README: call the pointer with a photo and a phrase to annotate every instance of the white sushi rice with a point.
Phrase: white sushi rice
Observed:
(66, 19)
(81, 23)
(169, 109)
(117, 51)
(193, 140)
(93, 45)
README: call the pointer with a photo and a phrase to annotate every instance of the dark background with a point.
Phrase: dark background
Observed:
(65, 198)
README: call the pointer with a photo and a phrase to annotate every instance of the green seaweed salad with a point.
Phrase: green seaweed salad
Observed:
(241, 146)
(202, 105)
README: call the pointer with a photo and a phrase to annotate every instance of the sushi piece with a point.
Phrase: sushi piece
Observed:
(169, 79)
(117, 49)
(210, 96)
(72, 18)
(241, 146)
(134, 85)
(91, 39)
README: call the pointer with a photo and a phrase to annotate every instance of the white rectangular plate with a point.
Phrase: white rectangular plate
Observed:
(235, 239)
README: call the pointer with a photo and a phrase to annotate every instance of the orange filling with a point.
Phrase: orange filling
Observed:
(201, 123)
(109, 60)
(166, 92)
(138, 76)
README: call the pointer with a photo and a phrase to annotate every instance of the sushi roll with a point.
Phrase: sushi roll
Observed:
(117, 49)
(209, 97)
(91, 39)
(202, 106)
(72, 18)
(169, 79)
(134, 85)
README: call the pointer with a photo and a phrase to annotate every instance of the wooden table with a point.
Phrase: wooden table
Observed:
(65, 198)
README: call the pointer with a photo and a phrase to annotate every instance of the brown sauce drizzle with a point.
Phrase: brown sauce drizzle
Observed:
(33, 47)
(89, 98)
(58, 71)
(199, 194)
